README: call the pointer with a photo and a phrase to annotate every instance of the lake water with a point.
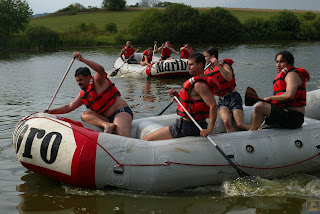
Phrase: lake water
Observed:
(29, 81)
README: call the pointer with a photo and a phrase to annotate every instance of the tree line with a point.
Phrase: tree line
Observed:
(178, 23)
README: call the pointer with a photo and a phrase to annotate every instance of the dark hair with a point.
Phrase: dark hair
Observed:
(199, 57)
(212, 51)
(84, 71)
(286, 56)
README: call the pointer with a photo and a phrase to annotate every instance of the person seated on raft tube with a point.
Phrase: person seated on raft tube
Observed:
(110, 111)
(166, 50)
(230, 101)
(197, 96)
(288, 103)
(127, 51)
(186, 50)
(147, 57)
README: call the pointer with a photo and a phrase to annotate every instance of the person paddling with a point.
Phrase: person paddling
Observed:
(107, 109)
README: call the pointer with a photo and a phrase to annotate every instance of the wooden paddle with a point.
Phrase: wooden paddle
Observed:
(240, 172)
(252, 97)
(55, 94)
(113, 73)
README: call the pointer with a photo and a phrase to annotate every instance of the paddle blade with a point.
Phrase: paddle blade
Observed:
(251, 97)
(114, 72)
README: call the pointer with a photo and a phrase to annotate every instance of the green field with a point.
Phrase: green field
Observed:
(123, 18)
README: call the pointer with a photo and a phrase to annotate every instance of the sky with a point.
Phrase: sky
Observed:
(50, 6)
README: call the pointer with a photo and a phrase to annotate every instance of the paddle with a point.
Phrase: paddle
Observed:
(165, 108)
(252, 97)
(113, 73)
(55, 94)
(240, 172)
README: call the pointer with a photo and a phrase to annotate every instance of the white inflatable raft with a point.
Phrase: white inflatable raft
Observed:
(78, 154)
(165, 68)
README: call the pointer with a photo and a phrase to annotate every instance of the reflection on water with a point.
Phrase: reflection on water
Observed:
(31, 79)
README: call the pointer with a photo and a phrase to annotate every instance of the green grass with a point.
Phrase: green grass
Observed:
(244, 15)
(62, 24)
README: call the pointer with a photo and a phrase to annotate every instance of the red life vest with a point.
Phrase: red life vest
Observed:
(198, 109)
(166, 51)
(279, 87)
(149, 57)
(225, 86)
(99, 102)
(129, 51)
(186, 52)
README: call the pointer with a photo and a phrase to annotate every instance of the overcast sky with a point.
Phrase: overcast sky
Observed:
(50, 6)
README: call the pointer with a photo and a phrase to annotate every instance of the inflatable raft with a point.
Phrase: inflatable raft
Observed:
(79, 154)
(165, 68)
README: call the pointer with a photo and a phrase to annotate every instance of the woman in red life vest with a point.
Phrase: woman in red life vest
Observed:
(186, 50)
(107, 109)
(127, 51)
(166, 50)
(147, 57)
(289, 100)
(230, 101)
(197, 96)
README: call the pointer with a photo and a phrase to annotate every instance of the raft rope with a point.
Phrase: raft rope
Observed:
(167, 163)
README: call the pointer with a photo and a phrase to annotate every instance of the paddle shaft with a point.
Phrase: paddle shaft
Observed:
(240, 172)
(165, 108)
(65, 75)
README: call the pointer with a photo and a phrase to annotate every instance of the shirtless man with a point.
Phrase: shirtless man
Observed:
(110, 111)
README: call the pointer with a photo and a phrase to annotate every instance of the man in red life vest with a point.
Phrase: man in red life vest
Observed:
(197, 97)
(147, 57)
(107, 109)
(166, 50)
(186, 50)
(288, 103)
(230, 101)
(127, 51)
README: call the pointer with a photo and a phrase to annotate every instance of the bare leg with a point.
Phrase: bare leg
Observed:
(226, 117)
(95, 119)
(160, 134)
(122, 122)
(238, 117)
(261, 110)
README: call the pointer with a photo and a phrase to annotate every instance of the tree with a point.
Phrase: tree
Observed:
(148, 3)
(113, 4)
(14, 16)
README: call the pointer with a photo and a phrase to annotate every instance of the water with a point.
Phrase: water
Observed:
(29, 81)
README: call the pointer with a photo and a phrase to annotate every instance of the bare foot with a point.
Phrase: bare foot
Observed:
(110, 128)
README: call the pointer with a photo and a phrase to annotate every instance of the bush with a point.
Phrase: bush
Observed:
(42, 37)
(286, 20)
(147, 26)
(219, 25)
(257, 29)
(308, 16)
(181, 23)
(308, 31)
(111, 27)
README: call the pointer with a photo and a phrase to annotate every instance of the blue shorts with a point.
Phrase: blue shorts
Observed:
(183, 128)
(231, 101)
(123, 109)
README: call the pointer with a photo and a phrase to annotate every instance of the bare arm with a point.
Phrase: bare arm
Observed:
(225, 69)
(100, 75)
(66, 108)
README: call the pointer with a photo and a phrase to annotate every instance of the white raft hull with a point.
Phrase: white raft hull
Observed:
(165, 68)
(69, 151)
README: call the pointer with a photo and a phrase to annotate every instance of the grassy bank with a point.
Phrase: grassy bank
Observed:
(85, 29)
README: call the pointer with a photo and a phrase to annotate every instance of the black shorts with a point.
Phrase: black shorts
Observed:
(231, 101)
(183, 128)
(163, 57)
(285, 118)
(123, 109)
